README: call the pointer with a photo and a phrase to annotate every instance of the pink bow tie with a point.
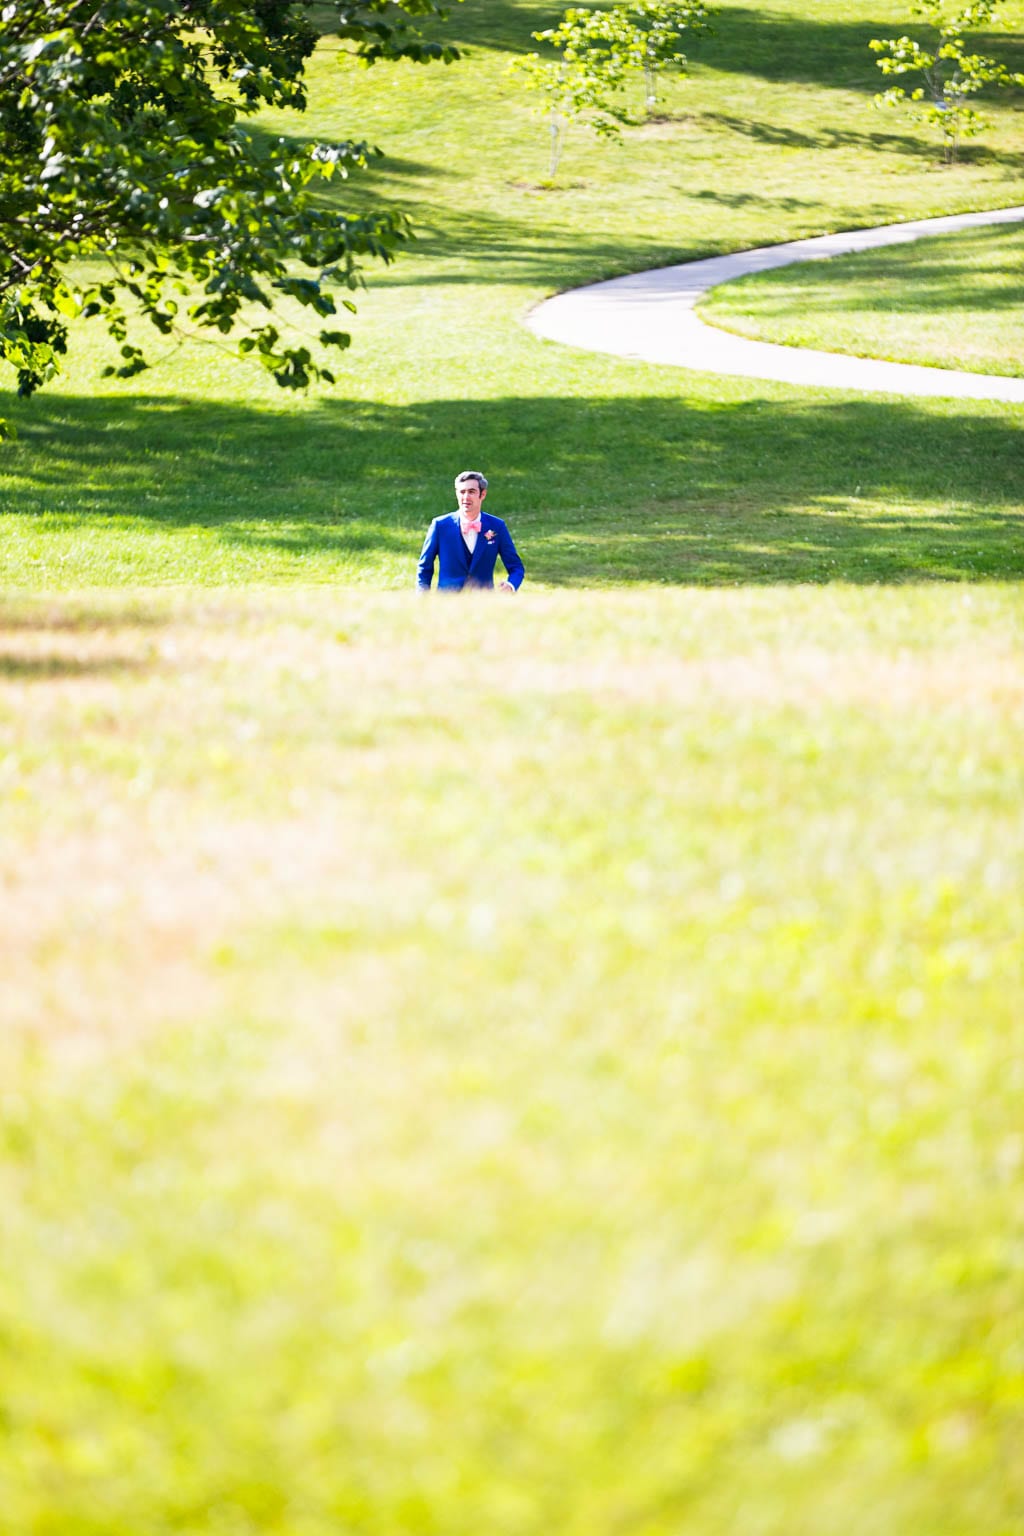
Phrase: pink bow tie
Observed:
(469, 527)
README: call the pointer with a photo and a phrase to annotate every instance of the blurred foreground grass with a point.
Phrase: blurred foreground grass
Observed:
(512, 1066)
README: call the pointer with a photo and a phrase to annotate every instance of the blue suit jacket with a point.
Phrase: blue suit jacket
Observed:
(455, 570)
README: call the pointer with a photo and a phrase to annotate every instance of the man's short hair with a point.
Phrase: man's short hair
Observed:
(472, 474)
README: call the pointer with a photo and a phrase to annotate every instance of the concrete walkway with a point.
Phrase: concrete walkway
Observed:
(650, 316)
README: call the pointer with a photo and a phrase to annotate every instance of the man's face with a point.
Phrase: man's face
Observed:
(470, 496)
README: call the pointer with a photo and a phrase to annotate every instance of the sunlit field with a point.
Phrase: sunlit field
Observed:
(540, 1064)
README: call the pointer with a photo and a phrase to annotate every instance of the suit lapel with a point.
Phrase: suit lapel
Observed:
(481, 541)
(460, 543)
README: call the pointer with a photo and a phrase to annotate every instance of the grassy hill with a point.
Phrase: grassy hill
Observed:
(544, 1064)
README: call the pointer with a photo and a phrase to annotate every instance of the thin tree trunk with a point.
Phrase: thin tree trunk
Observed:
(557, 134)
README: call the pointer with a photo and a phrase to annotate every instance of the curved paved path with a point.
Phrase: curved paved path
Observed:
(650, 316)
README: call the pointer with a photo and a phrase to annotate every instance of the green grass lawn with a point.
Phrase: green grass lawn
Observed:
(541, 1064)
(199, 472)
(583, 1096)
(956, 301)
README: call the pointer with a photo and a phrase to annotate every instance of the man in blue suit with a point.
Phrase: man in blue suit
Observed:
(465, 544)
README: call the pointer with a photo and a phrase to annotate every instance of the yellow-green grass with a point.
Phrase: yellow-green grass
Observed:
(512, 1066)
(956, 301)
(528, 1064)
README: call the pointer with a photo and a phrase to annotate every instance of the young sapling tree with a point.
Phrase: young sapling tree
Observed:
(951, 75)
(596, 52)
(661, 24)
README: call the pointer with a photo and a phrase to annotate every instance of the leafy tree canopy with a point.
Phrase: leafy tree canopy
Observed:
(123, 136)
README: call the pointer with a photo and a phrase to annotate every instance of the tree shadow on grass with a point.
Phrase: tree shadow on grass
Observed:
(75, 615)
(743, 40)
(533, 248)
(805, 548)
(524, 246)
(932, 277)
(102, 625)
(927, 148)
(825, 138)
(756, 41)
(499, 24)
(752, 489)
(551, 260)
(51, 668)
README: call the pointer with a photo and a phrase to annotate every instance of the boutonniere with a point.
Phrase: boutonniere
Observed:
(490, 535)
